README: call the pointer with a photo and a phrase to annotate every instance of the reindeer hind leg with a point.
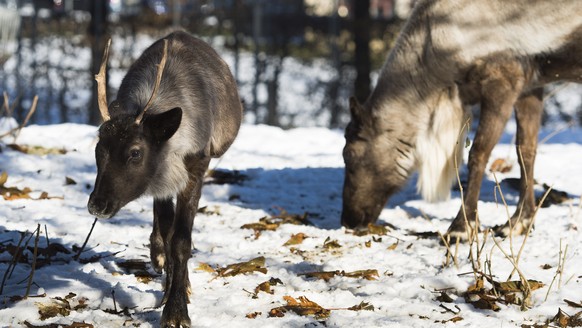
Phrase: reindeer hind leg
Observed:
(528, 112)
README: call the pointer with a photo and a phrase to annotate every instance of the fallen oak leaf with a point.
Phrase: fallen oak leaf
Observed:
(266, 286)
(561, 318)
(205, 267)
(372, 229)
(256, 264)
(37, 150)
(75, 324)
(253, 315)
(301, 306)
(330, 244)
(393, 246)
(444, 297)
(260, 226)
(295, 239)
(273, 222)
(53, 309)
(515, 286)
(485, 302)
(14, 193)
(365, 306)
(60, 306)
(501, 165)
(325, 275)
(370, 274)
(453, 319)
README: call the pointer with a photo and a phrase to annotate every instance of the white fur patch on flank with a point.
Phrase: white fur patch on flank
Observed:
(437, 144)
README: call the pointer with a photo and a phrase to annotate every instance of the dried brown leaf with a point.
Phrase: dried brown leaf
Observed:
(263, 287)
(516, 286)
(260, 226)
(205, 267)
(256, 264)
(453, 319)
(273, 222)
(372, 229)
(253, 315)
(370, 274)
(573, 304)
(445, 298)
(295, 239)
(301, 306)
(362, 306)
(325, 275)
(561, 319)
(58, 306)
(477, 287)
(14, 193)
(53, 309)
(501, 165)
(486, 303)
(393, 246)
(37, 150)
(330, 244)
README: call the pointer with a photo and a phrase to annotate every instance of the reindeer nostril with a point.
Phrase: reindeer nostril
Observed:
(97, 206)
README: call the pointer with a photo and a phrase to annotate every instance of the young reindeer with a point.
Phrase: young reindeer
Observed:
(450, 54)
(176, 108)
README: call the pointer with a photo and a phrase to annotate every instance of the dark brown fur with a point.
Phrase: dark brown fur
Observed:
(195, 116)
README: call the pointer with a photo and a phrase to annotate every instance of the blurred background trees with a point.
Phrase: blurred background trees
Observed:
(296, 61)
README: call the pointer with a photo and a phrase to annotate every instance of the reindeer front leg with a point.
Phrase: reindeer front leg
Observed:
(163, 221)
(501, 83)
(528, 113)
(179, 246)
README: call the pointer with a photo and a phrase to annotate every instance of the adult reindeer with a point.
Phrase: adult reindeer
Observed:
(450, 54)
(176, 108)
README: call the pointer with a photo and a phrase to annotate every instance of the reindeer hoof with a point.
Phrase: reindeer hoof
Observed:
(175, 315)
(518, 228)
(458, 233)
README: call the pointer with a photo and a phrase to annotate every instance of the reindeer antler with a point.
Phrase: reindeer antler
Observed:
(160, 71)
(102, 84)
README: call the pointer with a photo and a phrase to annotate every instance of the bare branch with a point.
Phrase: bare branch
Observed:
(160, 71)
(102, 84)
(28, 116)
(16, 131)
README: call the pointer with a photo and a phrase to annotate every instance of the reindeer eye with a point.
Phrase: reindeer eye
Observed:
(135, 154)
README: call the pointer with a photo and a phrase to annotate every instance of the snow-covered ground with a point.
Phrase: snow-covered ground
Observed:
(298, 171)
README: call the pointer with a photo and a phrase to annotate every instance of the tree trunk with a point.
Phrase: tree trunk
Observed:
(362, 61)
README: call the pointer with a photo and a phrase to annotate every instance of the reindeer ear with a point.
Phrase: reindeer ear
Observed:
(161, 127)
(355, 108)
(114, 107)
